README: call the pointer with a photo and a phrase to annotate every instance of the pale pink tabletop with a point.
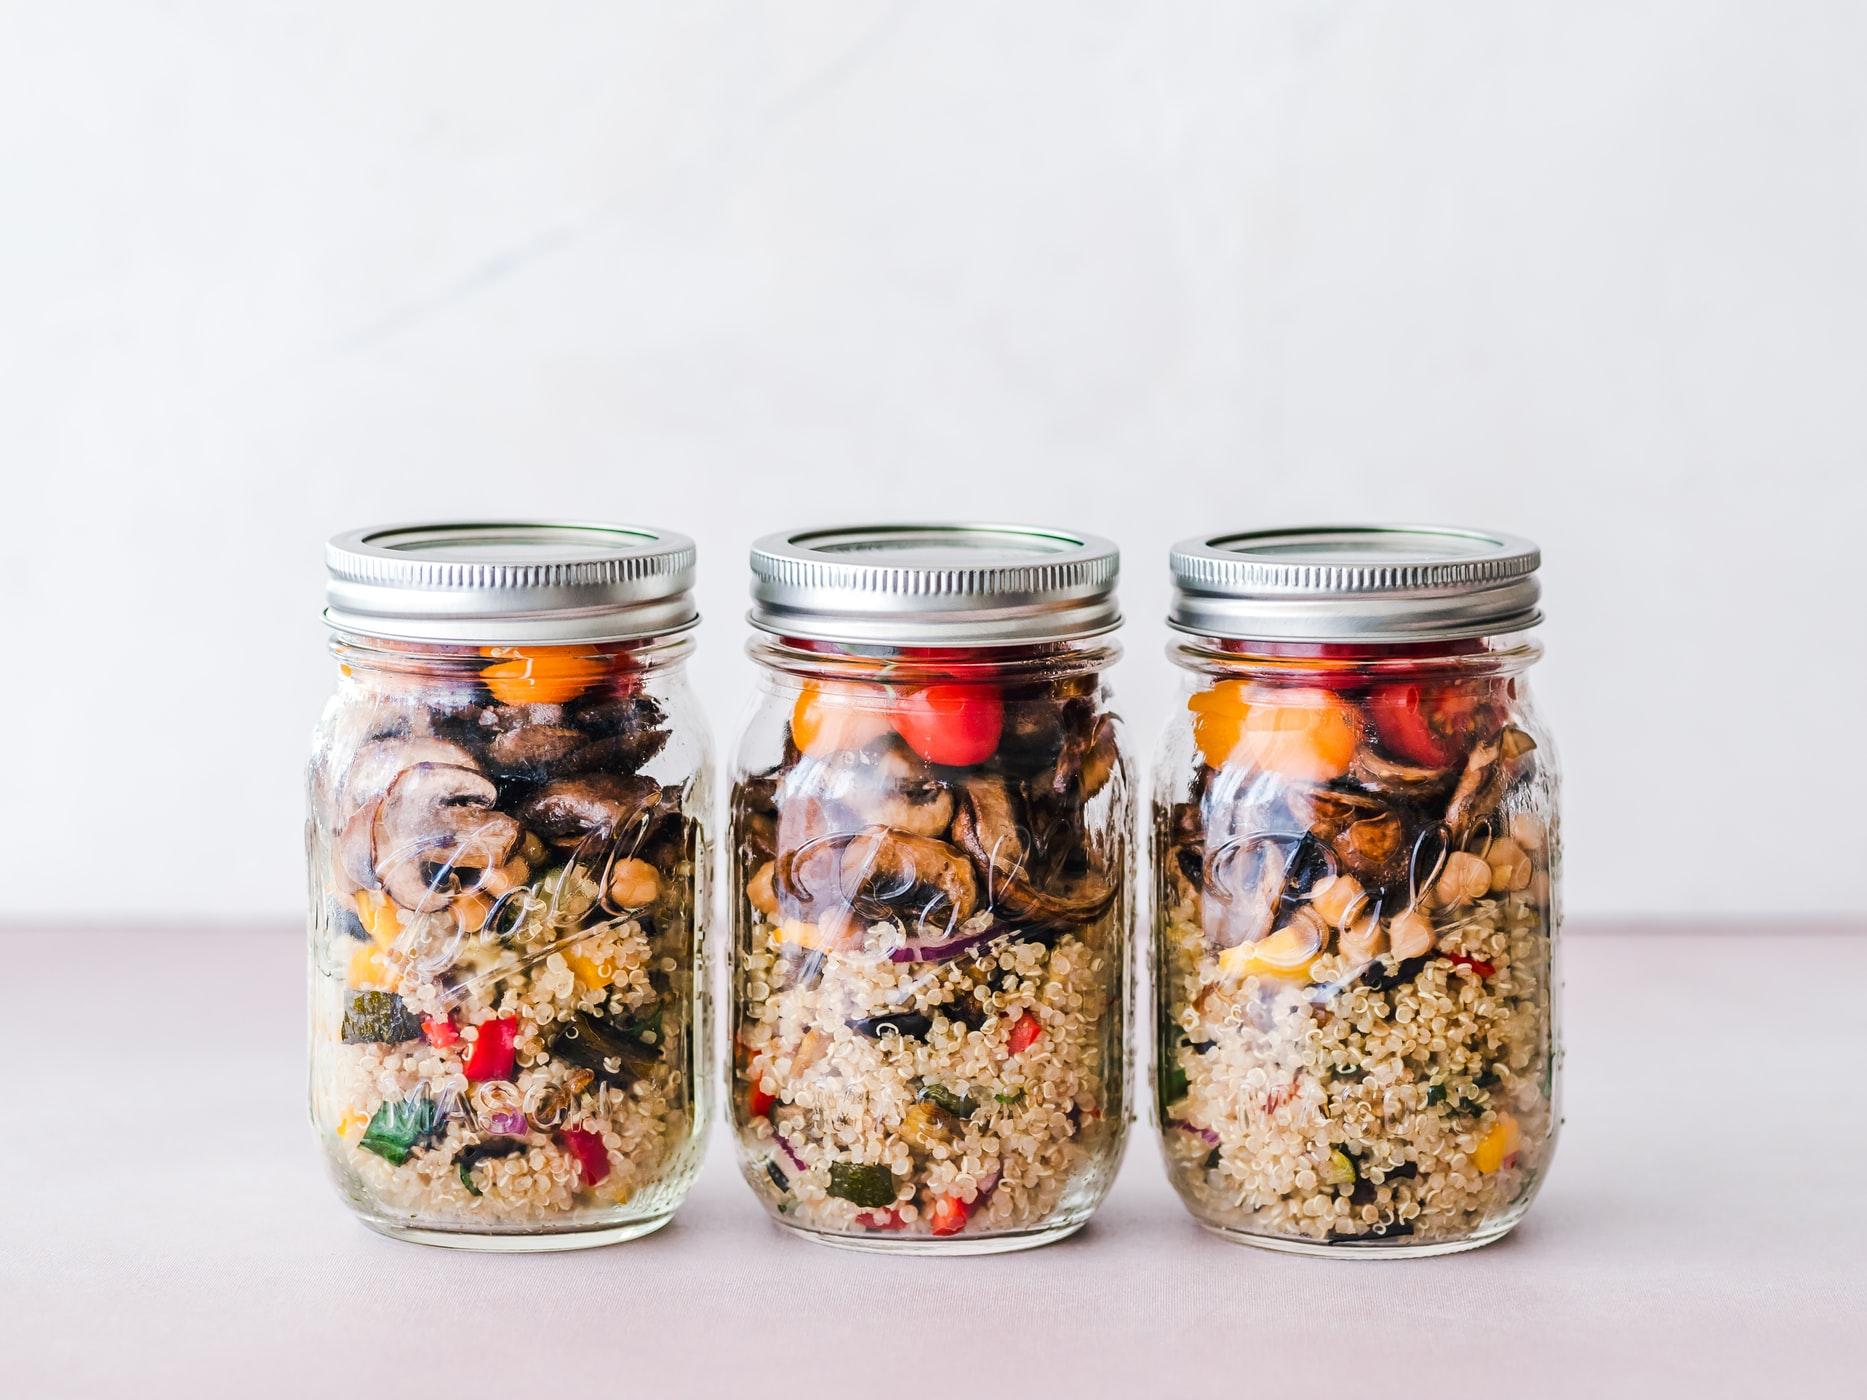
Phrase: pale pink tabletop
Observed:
(166, 1230)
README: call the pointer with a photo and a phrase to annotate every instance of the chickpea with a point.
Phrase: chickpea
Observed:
(1465, 878)
(1510, 866)
(761, 893)
(470, 910)
(1336, 898)
(1410, 934)
(506, 878)
(633, 884)
(1365, 940)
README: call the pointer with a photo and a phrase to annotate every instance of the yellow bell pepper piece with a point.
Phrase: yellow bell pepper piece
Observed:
(1498, 1145)
(380, 918)
(368, 970)
(1288, 953)
(352, 1123)
(799, 935)
(591, 972)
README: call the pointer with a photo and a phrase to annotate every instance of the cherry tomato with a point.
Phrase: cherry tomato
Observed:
(1301, 733)
(831, 716)
(1341, 665)
(541, 675)
(1426, 723)
(951, 725)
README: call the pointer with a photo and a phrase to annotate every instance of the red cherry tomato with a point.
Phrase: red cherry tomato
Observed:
(1429, 724)
(951, 725)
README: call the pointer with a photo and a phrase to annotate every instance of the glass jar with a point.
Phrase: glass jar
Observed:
(930, 883)
(1356, 860)
(507, 848)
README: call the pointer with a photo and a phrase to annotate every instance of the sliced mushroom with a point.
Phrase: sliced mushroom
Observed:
(533, 751)
(1393, 779)
(1243, 887)
(878, 873)
(377, 763)
(565, 811)
(884, 785)
(626, 732)
(986, 827)
(356, 847)
(435, 823)
(1480, 787)
(1373, 849)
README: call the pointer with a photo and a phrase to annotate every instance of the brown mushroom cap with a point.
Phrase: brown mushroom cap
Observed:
(566, 811)
(885, 784)
(435, 822)
(376, 764)
(987, 828)
(533, 750)
(878, 873)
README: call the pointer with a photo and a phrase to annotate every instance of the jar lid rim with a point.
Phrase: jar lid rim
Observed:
(942, 582)
(1321, 583)
(505, 581)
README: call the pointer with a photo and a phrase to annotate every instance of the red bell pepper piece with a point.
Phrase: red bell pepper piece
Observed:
(495, 1051)
(440, 1032)
(592, 1157)
(1477, 965)
(949, 1215)
(758, 1102)
(1024, 1033)
(881, 1220)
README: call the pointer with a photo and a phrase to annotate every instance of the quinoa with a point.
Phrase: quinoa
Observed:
(1352, 1113)
(505, 1031)
(641, 1127)
(930, 971)
(1355, 912)
(1044, 1119)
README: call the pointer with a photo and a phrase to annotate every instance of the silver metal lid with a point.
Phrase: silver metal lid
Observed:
(510, 581)
(1355, 583)
(960, 585)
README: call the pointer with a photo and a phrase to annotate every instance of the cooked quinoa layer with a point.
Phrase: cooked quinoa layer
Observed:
(634, 1129)
(1368, 1101)
(1001, 1109)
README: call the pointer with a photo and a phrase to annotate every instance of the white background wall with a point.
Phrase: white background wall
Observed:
(1589, 271)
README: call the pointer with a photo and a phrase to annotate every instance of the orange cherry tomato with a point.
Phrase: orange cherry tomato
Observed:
(1299, 733)
(954, 726)
(541, 675)
(831, 716)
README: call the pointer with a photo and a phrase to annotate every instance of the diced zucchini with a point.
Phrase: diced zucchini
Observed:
(863, 1184)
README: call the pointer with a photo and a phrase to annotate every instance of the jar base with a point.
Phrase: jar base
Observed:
(953, 1246)
(1374, 1249)
(594, 1237)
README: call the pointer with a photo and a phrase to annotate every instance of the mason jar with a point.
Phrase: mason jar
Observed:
(507, 846)
(1356, 864)
(930, 876)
